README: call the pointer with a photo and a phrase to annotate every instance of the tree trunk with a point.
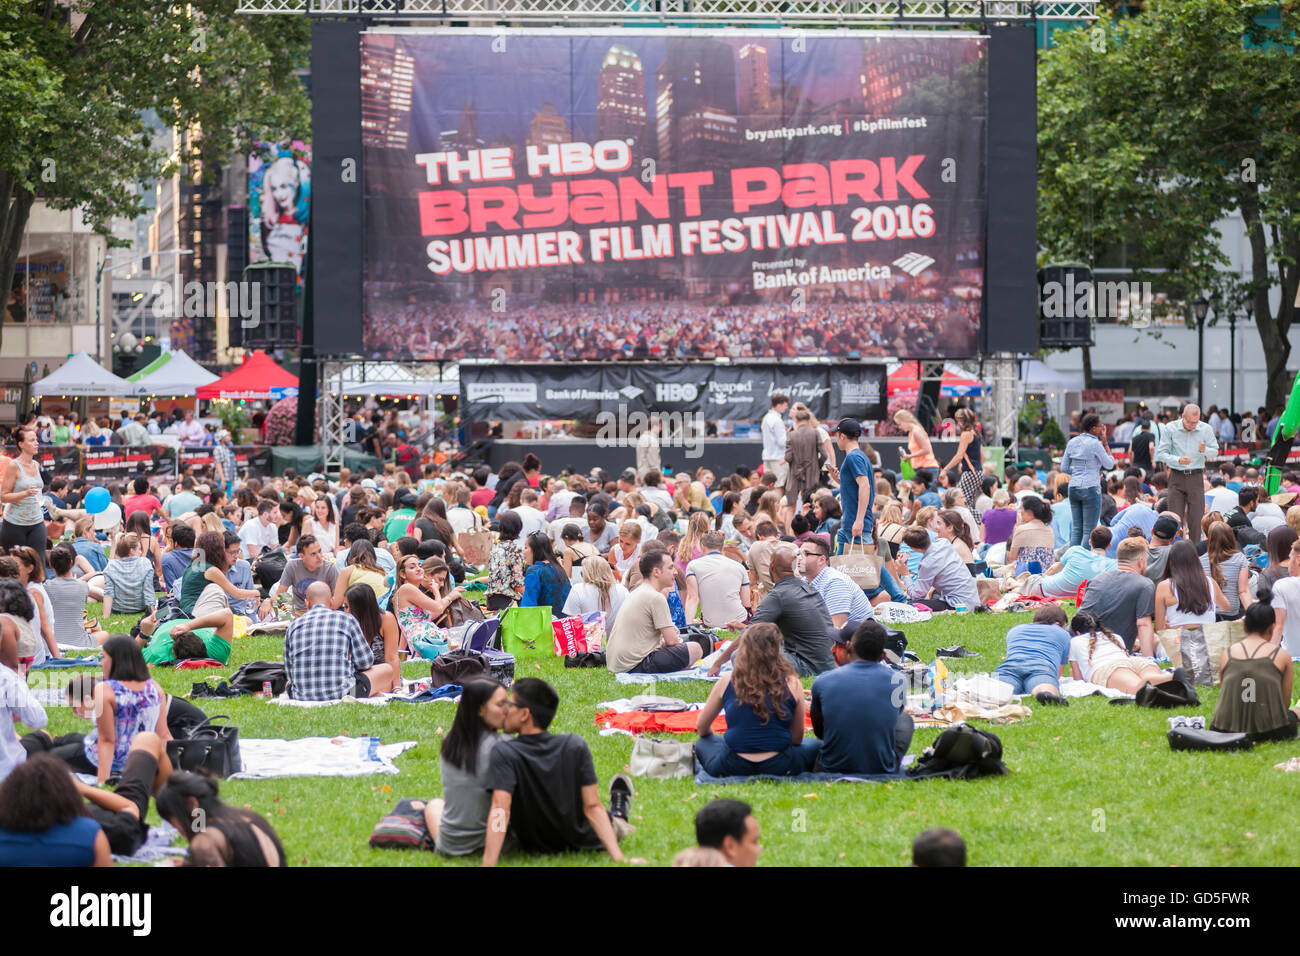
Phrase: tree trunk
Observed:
(1273, 332)
(13, 223)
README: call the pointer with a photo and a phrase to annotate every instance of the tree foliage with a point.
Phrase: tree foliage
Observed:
(77, 76)
(1153, 127)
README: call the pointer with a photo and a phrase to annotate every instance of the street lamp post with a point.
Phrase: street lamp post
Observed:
(99, 293)
(1199, 309)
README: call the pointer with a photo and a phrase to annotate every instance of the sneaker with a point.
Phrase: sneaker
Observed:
(620, 796)
(1053, 699)
(955, 651)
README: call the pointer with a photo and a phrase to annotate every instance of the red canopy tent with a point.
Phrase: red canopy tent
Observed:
(954, 384)
(258, 378)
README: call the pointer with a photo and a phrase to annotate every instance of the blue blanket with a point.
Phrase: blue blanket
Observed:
(60, 663)
(702, 777)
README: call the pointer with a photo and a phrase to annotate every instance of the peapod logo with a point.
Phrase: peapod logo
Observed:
(722, 392)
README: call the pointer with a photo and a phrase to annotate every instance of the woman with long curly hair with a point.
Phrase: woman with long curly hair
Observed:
(764, 704)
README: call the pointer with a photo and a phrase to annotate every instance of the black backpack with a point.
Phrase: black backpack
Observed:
(251, 676)
(457, 667)
(269, 568)
(1170, 694)
(961, 753)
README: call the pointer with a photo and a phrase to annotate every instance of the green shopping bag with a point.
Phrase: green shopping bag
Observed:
(526, 632)
(906, 471)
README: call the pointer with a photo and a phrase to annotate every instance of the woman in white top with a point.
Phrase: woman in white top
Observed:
(597, 591)
(1187, 597)
(626, 551)
(324, 525)
(1099, 657)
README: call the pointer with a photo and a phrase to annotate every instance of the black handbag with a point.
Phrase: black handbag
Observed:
(213, 747)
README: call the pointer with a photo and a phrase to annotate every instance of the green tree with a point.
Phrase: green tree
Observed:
(1153, 127)
(77, 75)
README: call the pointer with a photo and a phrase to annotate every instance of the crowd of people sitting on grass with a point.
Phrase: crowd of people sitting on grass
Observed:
(358, 569)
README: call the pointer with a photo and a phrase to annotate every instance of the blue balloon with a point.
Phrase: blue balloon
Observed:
(97, 499)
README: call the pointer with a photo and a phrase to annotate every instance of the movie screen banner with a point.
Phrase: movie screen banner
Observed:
(537, 195)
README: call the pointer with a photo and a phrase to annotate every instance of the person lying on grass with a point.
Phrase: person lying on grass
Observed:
(218, 835)
(765, 706)
(544, 796)
(1097, 655)
(201, 638)
(121, 812)
(1036, 653)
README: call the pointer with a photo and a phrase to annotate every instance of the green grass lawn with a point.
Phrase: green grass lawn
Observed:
(1091, 784)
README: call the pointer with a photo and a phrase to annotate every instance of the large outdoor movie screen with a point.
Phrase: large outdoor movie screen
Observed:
(600, 195)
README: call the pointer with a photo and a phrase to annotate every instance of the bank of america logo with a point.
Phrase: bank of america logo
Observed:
(914, 263)
(630, 392)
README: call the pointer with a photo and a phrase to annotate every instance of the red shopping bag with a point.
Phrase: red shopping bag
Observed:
(570, 636)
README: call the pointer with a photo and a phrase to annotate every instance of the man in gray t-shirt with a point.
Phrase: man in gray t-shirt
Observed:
(309, 566)
(1124, 600)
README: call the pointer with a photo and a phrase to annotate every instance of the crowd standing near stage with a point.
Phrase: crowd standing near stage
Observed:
(1141, 521)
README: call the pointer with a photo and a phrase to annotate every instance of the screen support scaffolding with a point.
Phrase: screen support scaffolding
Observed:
(643, 13)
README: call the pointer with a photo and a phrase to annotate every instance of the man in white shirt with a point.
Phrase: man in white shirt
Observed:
(189, 431)
(260, 532)
(653, 492)
(461, 516)
(532, 517)
(559, 502)
(717, 585)
(774, 433)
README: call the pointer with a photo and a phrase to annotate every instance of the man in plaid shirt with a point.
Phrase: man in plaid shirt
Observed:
(326, 656)
(223, 460)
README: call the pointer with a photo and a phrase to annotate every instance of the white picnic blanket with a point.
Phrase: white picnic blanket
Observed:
(408, 687)
(318, 757)
(1081, 688)
(652, 702)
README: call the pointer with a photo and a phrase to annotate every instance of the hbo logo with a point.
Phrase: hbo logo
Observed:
(676, 392)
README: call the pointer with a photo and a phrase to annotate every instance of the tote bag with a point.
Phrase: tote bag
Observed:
(526, 632)
(860, 564)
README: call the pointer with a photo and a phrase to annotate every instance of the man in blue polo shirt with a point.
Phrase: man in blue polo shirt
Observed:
(1035, 655)
(858, 709)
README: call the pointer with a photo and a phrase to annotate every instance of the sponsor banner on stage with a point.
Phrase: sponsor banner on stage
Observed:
(109, 462)
(714, 392)
(577, 195)
(102, 463)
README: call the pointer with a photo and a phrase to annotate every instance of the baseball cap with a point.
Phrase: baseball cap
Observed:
(1166, 527)
(848, 426)
(223, 435)
(845, 634)
(629, 474)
